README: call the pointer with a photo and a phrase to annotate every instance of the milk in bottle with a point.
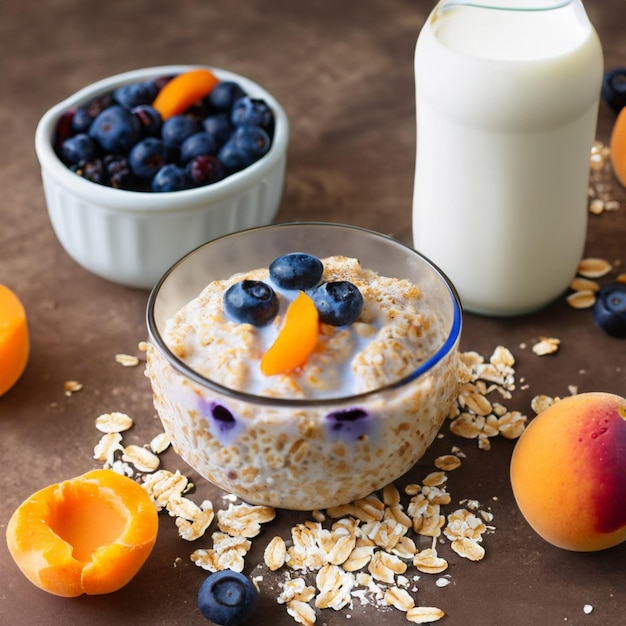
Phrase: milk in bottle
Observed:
(507, 97)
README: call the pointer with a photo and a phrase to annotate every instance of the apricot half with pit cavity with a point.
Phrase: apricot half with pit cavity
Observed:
(88, 535)
(568, 472)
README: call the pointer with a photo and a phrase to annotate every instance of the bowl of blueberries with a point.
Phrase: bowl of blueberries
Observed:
(140, 168)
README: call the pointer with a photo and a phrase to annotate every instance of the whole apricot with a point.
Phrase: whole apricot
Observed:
(14, 339)
(90, 534)
(568, 472)
(617, 147)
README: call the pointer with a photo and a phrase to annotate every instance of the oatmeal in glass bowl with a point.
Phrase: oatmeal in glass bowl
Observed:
(303, 365)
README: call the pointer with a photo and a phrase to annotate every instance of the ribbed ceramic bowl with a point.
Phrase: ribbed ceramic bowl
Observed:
(131, 237)
(299, 453)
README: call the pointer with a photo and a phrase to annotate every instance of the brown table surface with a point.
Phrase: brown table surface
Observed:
(344, 72)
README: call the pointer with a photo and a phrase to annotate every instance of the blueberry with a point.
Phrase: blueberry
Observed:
(251, 302)
(254, 111)
(82, 120)
(147, 157)
(118, 171)
(609, 310)
(134, 94)
(338, 303)
(245, 146)
(177, 128)
(149, 120)
(195, 145)
(205, 169)
(614, 88)
(218, 125)
(227, 598)
(116, 129)
(77, 149)
(224, 95)
(296, 270)
(93, 171)
(170, 177)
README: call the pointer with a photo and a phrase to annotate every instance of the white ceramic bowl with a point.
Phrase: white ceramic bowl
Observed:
(131, 237)
(303, 453)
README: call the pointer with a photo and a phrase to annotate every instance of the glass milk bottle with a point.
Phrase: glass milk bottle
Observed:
(507, 99)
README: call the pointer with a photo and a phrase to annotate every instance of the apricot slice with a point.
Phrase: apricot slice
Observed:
(88, 535)
(296, 340)
(14, 339)
(568, 472)
(617, 147)
(183, 91)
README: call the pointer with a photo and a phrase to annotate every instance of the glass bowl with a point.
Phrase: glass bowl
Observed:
(133, 237)
(294, 452)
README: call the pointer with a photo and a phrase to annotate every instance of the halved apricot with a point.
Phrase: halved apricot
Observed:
(14, 339)
(88, 535)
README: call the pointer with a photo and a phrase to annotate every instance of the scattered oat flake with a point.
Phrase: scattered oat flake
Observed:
(447, 462)
(424, 614)
(584, 284)
(468, 549)
(107, 448)
(143, 459)
(541, 403)
(401, 599)
(160, 443)
(583, 299)
(275, 553)
(114, 422)
(546, 345)
(127, 360)
(71, 386)
(592, 267)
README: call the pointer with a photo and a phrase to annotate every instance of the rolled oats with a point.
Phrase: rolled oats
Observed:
(160, 443)
(71, 386)
(546, 345)
(447, 462)
(384, 566)
(424, 614)
(108, 448)
(143, 459)
(594, 267)
(359, 558)
(429, 562)
(275, 553)
(301, 612)
(115, 422)
(244, 520)
(541, 403)
(126, 360)
(468, 549)
(163, 485)
(584, 284)
(401, 599)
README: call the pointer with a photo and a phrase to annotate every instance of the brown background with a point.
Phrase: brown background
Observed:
(343, 71)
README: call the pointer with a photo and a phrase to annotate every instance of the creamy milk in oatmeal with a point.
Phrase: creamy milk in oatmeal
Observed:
(392, 337)
(307, 455)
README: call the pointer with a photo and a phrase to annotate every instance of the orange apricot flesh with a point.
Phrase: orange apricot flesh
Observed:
(568, 472)
(14, 339)
(296, 340)
(183, 91)
(88, 535)
(617, 147)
